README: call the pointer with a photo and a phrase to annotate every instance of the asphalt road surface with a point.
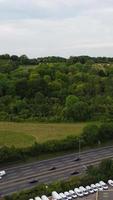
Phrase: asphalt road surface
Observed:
(20, 177)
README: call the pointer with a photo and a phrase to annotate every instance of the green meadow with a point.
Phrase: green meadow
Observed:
(25, 134)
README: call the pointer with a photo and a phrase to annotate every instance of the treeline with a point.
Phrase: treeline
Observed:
(93, 135)
(23, 59)
(104, 171)
(56, 89)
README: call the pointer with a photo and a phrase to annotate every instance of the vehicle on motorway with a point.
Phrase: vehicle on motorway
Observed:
(2, 173)
(72, 193)
(77, 159)
(89, 189)
(63, 196)
(68, 195)
(56, 196)
(33, 181)
(104, 185)
(38, 198)
(84, 190)
(99, 187)
(74, 172)
(78, 192)
(94, 187)
(44, 197)
(52, 168)
(110, 182)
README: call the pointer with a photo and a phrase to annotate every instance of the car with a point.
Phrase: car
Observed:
(33, 181)
(31, 199)
(84, 190)
(68, 195)
(77, 159)
(44, 197)
(94, 187)
(89, 189)
(64, 197)
(75, 173)
(52, 168)
(2, 173)
(104, 185)
(78, 192)
(38, 198)
(110, 182)
(99, 187)
(72, 193)
(56, 196)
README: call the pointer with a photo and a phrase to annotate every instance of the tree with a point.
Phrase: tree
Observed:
(90, 135)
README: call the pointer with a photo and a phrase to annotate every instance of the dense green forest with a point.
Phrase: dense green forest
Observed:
(55, 88)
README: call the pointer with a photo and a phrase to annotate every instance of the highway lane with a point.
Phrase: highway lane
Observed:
(60, 161)
(18, 178)
(61, 158)
(15, 173)
(36, 171)
(67, 170)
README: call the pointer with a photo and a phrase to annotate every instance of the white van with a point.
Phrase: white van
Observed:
(84, 190)
(104, 185)
(78, 192)
(56, 196)
(63, 196)
(38, 198)
(2, 173)
(44, 197)
(68, 195)
(72, 193)
(89, 189)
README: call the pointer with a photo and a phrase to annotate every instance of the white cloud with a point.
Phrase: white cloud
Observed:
(56, 27)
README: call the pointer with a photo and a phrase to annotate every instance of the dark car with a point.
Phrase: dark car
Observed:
(77, 159)
(52, 168)
(75, 173)
(33, 181)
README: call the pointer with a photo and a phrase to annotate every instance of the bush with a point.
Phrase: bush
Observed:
(91, 136)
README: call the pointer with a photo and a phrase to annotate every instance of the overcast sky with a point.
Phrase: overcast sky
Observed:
(56, 27)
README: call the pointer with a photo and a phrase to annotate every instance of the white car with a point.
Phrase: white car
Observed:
(38, 198)
(78, 192)
(89, 189)
(2, 173)
(72, 193)
(99, 187)
(63, 196)
(83, 189)
(44, 197)
(56, 196)
(94, 187)
(68, 195)
(104, 185)
(110, 182)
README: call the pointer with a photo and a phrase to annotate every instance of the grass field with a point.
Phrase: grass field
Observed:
(25, 134)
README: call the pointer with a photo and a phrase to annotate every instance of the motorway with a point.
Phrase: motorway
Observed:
(19, 177)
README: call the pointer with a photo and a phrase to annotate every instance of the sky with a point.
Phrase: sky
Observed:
(56, 27)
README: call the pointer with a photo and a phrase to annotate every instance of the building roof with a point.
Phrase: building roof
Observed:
(105, 195)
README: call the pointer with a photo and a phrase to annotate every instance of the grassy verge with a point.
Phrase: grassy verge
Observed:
(25, 134)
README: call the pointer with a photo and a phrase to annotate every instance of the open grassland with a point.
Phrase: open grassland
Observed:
(25, 134)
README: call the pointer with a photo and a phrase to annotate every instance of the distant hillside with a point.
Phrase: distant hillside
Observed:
(56, 89)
